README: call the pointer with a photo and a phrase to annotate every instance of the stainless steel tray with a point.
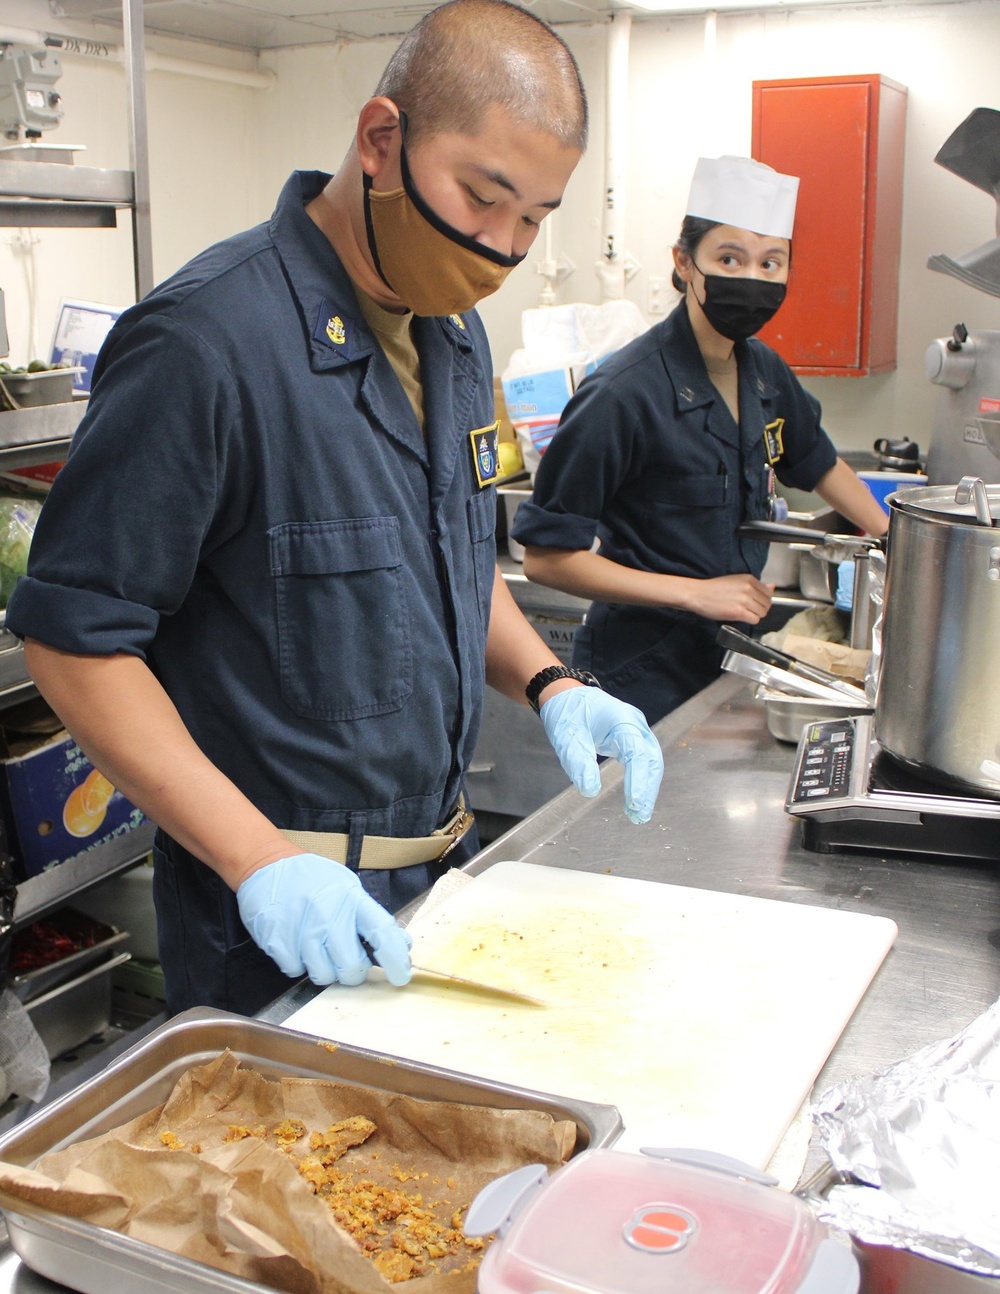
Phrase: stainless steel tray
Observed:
(67, 1015)
(885, 1270)
(94, 1260)
(787, 715)
(32, 984)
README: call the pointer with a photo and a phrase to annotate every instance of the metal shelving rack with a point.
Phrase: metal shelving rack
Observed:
(36, 194)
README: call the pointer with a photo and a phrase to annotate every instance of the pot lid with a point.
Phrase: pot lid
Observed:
(691, 1222)
(937, 503)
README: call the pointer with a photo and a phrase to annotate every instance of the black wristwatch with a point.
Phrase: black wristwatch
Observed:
(544, 677)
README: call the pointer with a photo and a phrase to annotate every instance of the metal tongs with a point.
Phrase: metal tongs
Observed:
(746, 656)
(826, 545)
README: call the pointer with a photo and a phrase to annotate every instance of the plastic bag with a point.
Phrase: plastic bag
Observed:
(876, 591)
(18, 518)
(8, 901)
(24, 1063)
(561, 345)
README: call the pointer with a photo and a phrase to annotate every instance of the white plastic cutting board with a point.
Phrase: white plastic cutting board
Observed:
(704, 1017)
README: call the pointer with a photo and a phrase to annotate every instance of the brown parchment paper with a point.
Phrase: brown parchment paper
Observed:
(835, 658)
(174, 1177)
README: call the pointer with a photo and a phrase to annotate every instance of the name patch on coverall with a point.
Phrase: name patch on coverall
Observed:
(774, 445)
(485, 443)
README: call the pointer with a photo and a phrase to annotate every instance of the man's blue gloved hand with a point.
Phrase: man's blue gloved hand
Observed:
(584, 722)
(307, 913)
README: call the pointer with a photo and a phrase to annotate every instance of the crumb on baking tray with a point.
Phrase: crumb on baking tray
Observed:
(340, 1137)
(402, 1232)
(289, 1130)
(237, 1132)
(398, 1230)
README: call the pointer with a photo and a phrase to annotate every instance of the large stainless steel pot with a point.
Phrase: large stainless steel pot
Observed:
(938, 701)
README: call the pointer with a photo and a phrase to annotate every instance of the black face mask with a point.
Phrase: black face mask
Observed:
(738, 307)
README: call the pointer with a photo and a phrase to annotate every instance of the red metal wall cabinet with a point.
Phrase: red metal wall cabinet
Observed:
(843, 137)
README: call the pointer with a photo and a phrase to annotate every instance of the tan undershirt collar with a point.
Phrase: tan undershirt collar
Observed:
(393, 333)
(725, 377)
(720, 367)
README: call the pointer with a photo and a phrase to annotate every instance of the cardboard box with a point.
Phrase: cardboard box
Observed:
(535, 402)
(55, 804)
(37, 477)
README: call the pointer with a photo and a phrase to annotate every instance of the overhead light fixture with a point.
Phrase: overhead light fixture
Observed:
(703, 6)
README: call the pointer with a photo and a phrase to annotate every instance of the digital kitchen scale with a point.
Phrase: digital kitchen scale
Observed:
(851, 795)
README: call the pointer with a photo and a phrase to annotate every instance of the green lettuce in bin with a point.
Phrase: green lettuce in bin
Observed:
(18, 517)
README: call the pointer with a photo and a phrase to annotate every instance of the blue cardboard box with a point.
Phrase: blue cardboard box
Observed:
(56, 805)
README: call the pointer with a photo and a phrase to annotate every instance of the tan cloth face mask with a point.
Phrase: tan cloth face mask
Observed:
(432, 267)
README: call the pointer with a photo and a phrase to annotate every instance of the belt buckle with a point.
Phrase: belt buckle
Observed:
(456, 827)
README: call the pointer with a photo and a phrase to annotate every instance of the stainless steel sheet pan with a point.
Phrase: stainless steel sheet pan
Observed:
(94, 1260)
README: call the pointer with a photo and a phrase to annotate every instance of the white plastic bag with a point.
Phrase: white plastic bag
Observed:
(561, 345)
(24, 1062)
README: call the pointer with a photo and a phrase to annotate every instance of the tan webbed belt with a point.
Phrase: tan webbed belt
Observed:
(382, 853)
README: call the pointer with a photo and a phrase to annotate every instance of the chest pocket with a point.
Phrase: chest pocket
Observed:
(344, 642)
(691, 491)
(690, 521)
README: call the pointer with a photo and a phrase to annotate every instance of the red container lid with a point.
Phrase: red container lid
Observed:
(615, 1223)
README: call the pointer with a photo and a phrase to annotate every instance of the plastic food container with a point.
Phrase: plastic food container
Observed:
(882, 484)
(682, 1221)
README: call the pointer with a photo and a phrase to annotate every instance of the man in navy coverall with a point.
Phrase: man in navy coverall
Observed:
(263, 593)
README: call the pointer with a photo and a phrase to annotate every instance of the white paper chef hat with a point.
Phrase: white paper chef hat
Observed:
(739, 191)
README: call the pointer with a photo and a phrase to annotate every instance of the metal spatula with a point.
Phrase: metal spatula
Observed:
(477, 986)
(462, 982)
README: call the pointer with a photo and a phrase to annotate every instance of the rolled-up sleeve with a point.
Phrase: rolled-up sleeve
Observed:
(809, 452)
(552, 528)
(583, 467)
(122, 530)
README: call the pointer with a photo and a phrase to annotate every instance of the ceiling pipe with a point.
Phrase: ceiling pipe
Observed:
(615, 267)
(102, 51)
(554, 268)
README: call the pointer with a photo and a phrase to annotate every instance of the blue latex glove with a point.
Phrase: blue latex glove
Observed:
(584, 722)
(845, 586)
(307, 914)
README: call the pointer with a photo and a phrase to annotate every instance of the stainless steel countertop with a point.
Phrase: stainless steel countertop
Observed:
(720, 825)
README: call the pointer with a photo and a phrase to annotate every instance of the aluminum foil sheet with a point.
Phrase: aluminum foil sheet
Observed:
(922, 1141)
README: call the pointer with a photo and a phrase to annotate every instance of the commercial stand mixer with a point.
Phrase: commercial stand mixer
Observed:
(966, 436)
(891, 781)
